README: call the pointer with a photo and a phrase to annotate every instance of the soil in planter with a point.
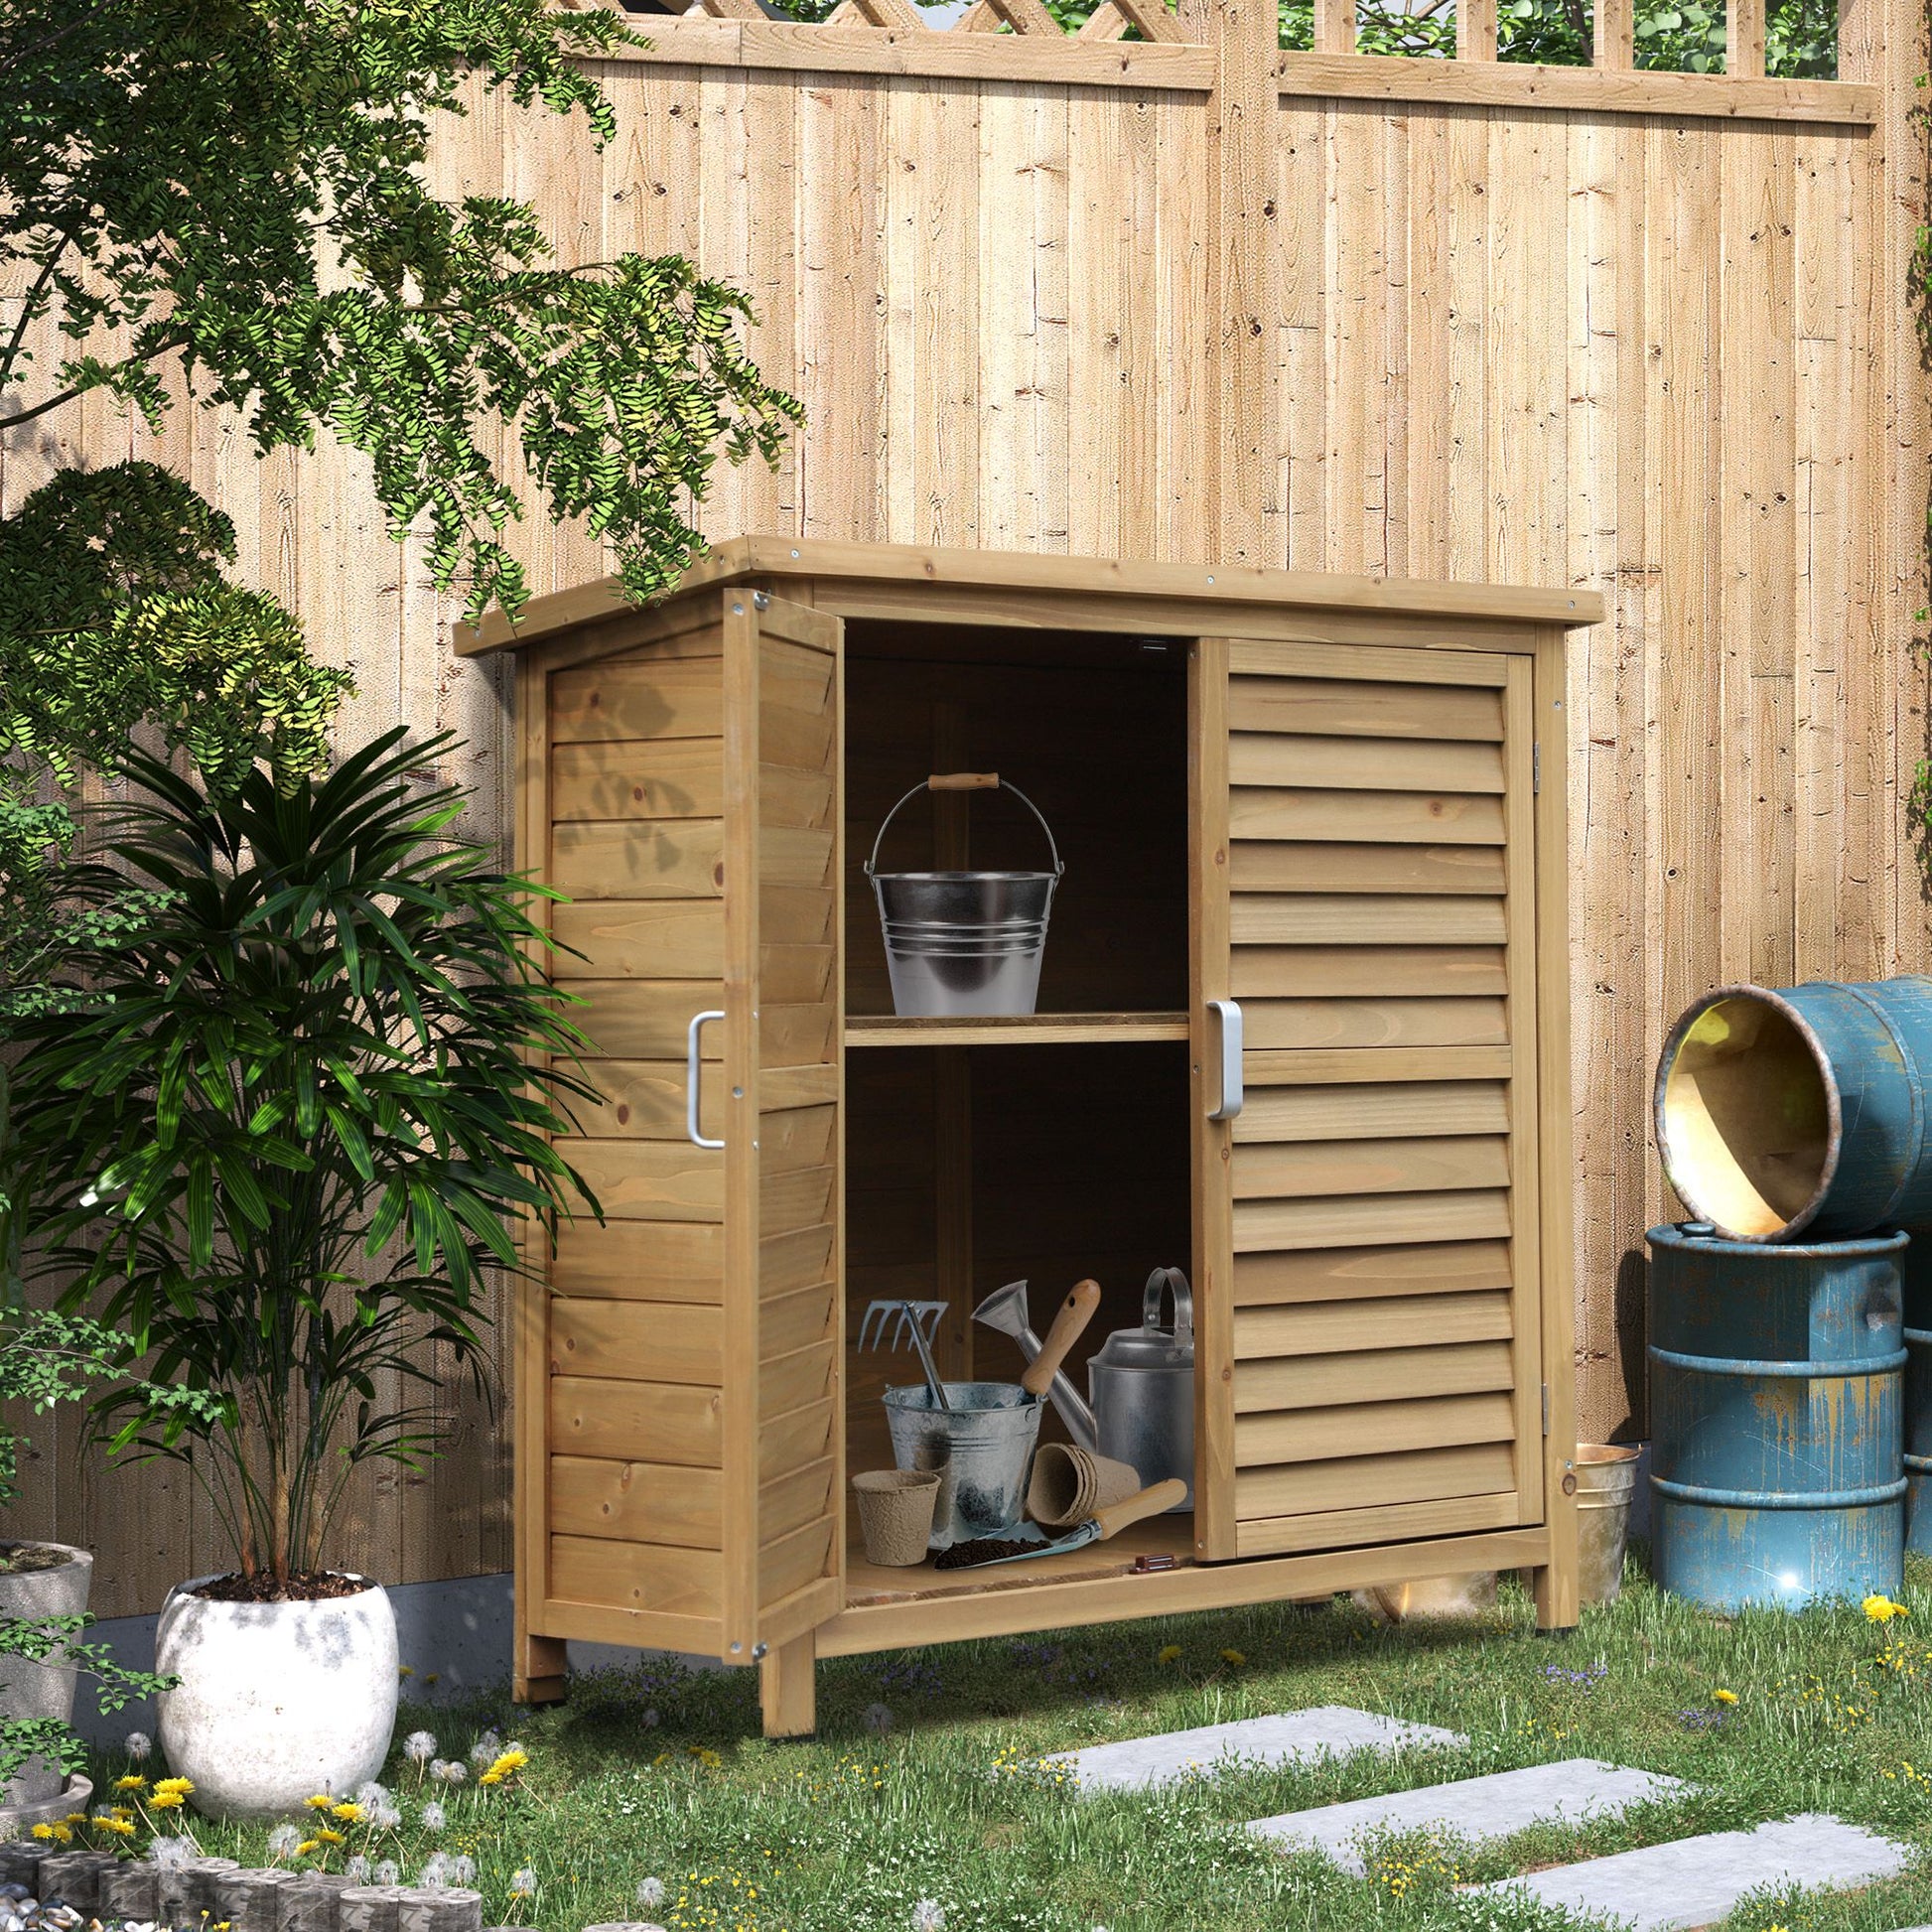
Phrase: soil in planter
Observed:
(17, 1559)
(303, 1587)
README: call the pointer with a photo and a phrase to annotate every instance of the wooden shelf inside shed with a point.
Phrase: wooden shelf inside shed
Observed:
(868, 1582)
(1029, 1029)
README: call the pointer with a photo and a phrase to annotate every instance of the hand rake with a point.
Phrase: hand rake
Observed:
(917, 1318)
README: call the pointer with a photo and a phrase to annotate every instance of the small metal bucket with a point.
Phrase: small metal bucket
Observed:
(980, 1446)
(964, 942)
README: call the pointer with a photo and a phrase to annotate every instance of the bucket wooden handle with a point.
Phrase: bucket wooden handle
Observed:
(1151, 1501)
(1075, 1312)
(963, 782)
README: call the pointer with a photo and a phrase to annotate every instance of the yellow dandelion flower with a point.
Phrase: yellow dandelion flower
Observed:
(120, 1826)
(322, 1801)
(44, 1831)
(1724, 1697)
(303, 1849)
(64, 1834)
(1169, 1653)
(1234, 1657)
(347, 1811)
(1881, 1609)
(134, 1781)
(330, 1835)
(168, 1801)
(181, 1787)
(506, 1768)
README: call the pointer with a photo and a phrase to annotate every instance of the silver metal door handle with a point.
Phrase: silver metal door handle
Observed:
(694, 1073)
(1231, 1094)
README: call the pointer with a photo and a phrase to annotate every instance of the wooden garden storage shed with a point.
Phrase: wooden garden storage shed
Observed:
(1318, 797)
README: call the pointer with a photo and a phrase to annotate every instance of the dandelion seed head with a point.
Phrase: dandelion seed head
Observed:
(523, 1883)
(877, 1719)
(138, 1744)
(432, 1817)
(651, 1893)
(357, 1870)
(419, 1746)
(172, 1853)
(928, 1915)
(388, 1872)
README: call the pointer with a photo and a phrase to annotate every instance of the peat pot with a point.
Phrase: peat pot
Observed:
(30, 1690)
(276, 1701)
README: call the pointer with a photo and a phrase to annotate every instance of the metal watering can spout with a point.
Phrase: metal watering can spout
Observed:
(1005, 1310)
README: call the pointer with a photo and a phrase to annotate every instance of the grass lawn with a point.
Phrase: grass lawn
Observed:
(922, 1783)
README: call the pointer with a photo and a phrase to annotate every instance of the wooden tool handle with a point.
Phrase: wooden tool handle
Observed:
(963, 782)
(1075, 1312)
(1151, 1501)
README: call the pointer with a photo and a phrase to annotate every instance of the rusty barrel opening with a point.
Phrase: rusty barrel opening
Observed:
(1745, 1112)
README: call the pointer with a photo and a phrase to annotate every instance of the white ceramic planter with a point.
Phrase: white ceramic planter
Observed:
(276, 1701)
(29, 1690)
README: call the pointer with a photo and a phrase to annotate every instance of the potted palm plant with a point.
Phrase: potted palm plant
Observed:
(320, 1084)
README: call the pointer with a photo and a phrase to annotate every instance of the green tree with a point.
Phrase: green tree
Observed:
(224, 203)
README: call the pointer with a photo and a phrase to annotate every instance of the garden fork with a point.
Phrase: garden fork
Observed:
(917, 1318)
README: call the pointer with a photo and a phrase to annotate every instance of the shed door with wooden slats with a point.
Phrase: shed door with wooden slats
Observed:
(689, 1481)
(784, 1190)
(1371, 1359)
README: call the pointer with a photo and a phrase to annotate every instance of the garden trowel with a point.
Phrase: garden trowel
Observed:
(1150, 1501)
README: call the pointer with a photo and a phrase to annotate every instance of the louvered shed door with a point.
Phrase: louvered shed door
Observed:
(1371, 1359)
(681, 1486)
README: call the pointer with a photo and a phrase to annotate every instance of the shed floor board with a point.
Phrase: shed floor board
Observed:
(870, 1582)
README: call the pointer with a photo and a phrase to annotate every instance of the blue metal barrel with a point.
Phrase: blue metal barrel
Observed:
(1915, 1272)
(1801, 1110)
(1775, 1382)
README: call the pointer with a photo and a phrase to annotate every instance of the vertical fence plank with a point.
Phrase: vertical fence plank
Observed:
(1745, 37)
(1335, 26)
(1476, 29)
(1613, 33)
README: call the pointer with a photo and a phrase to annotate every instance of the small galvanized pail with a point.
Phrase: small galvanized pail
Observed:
(964, 942)
(980, 1446)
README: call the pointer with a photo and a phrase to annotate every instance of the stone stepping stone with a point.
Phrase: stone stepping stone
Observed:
(1695, 1881)
(1473, 1808)
(1292, 1737)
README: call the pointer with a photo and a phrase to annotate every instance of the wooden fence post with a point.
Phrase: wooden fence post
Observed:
(1235, 459)
(1885, 43)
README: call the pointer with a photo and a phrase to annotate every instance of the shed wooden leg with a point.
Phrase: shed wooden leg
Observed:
(787, 1692)
(539, 1674)
(1557, 1600)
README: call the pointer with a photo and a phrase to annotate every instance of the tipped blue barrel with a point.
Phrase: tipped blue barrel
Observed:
(1776, 1417)
(1802, 1110)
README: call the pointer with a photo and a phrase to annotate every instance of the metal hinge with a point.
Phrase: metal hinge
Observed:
(1536, 767)
(1546, 1407)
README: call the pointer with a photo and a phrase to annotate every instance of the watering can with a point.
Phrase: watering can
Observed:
(1141, 1384)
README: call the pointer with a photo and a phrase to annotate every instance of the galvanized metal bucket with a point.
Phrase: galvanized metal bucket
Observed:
(964, 942)
(1802, 1109)
(980, 1446)
(1775, 1418)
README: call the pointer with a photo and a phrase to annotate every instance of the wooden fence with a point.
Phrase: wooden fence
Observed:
(1187, 297)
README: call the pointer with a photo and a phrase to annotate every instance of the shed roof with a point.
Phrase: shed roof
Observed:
(1234, 584)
